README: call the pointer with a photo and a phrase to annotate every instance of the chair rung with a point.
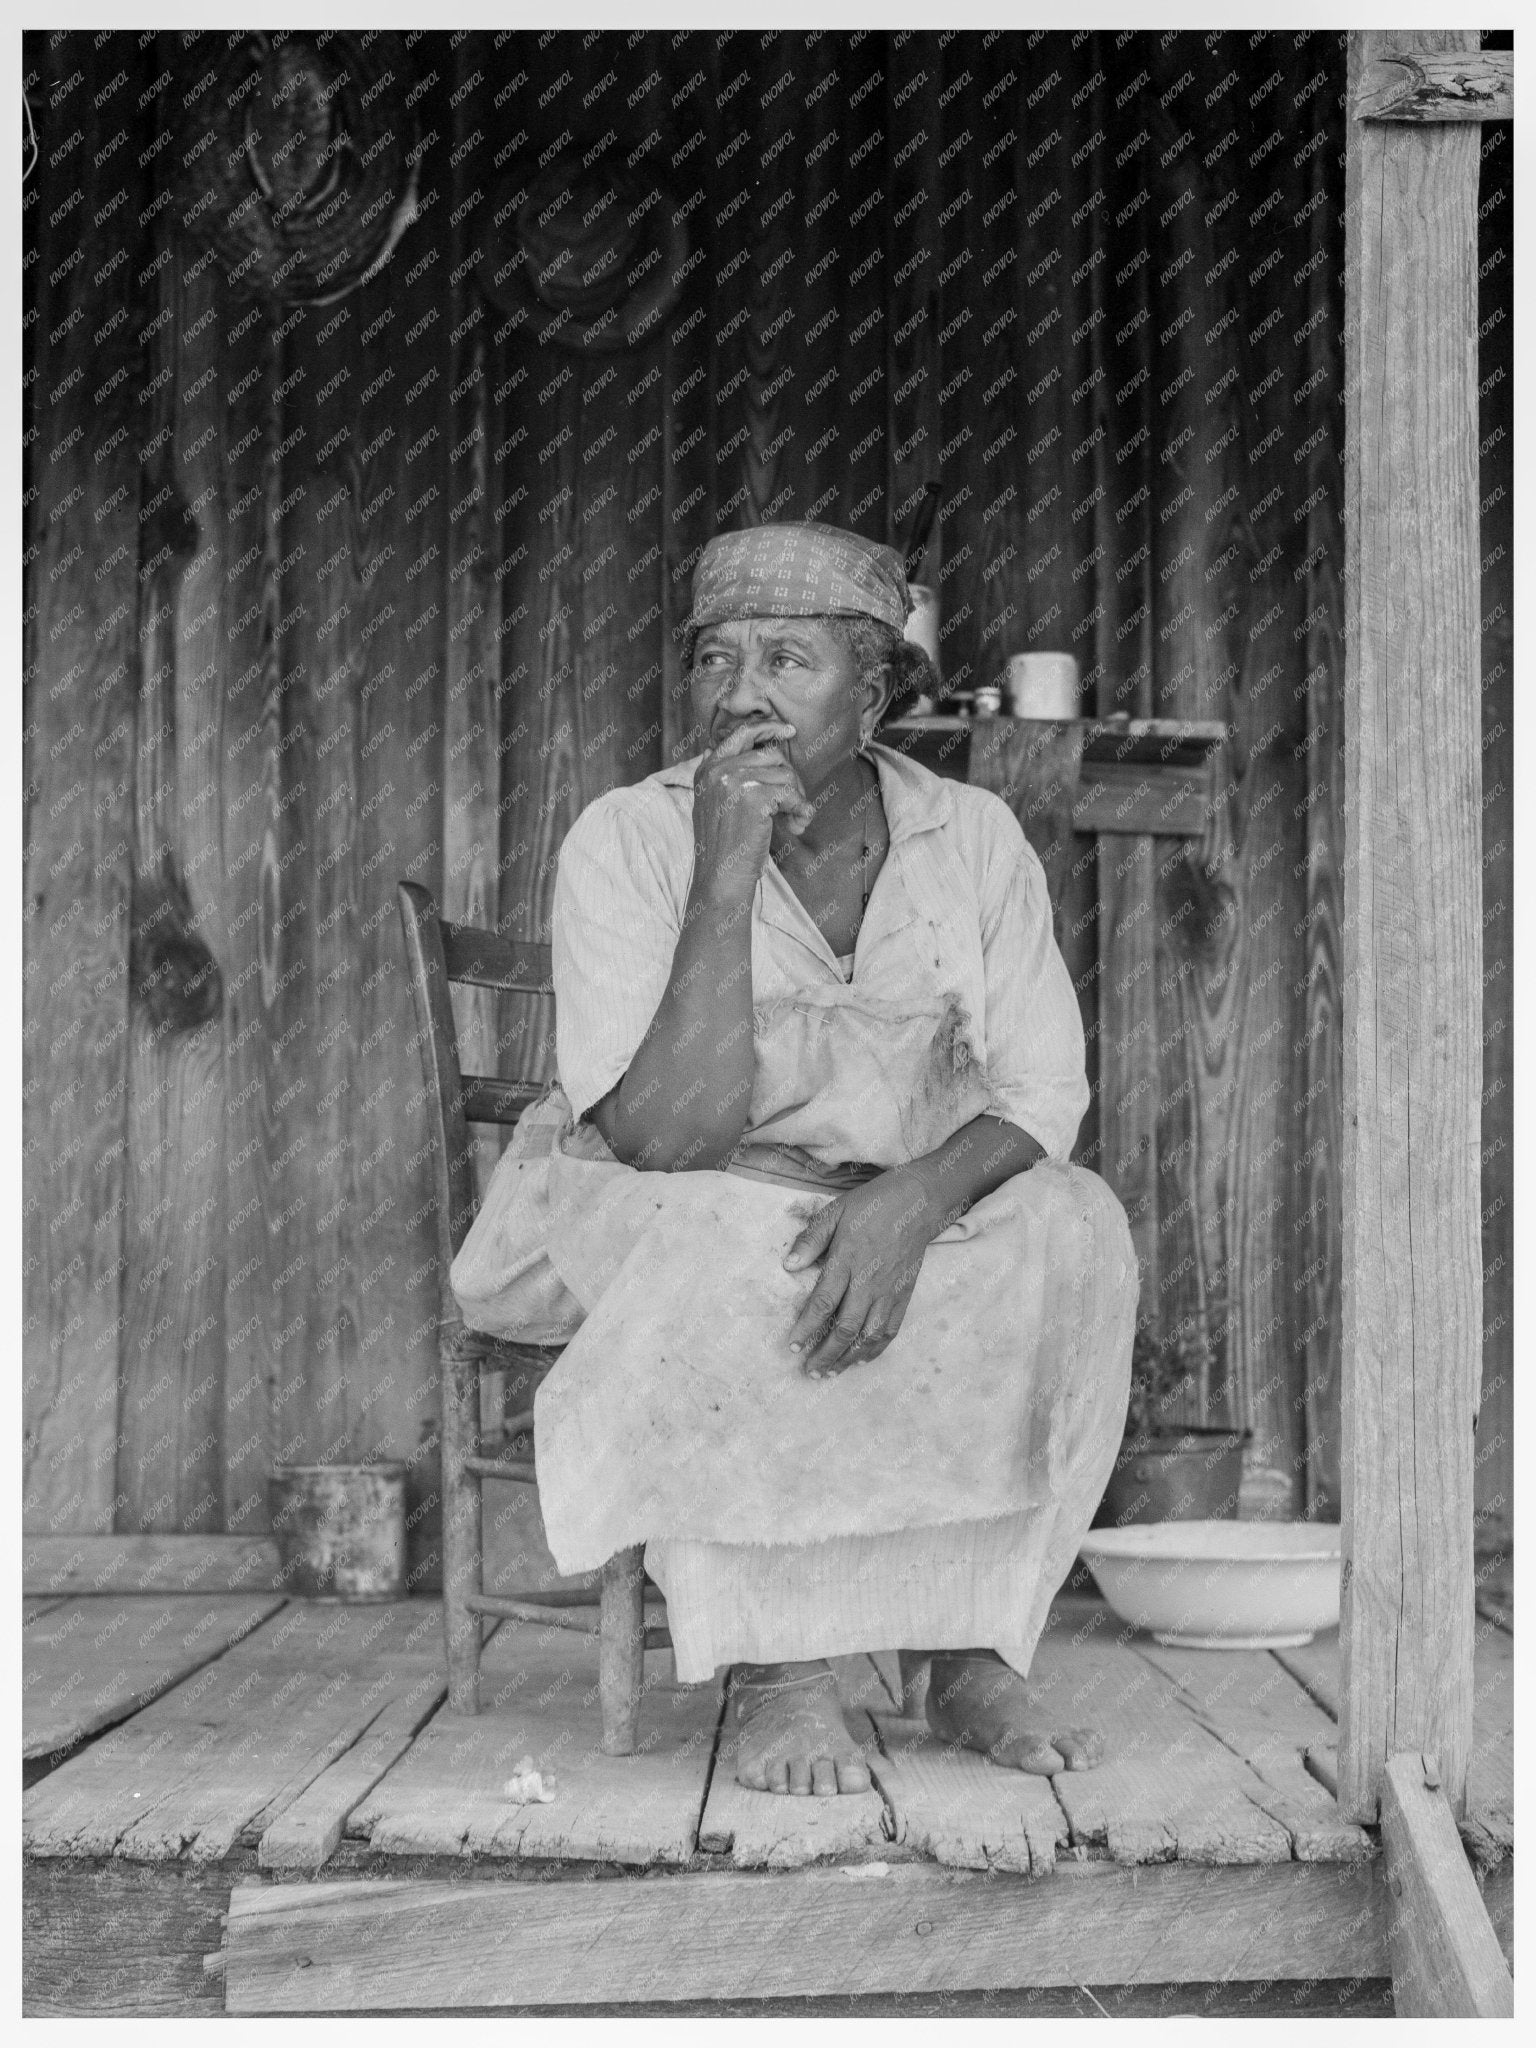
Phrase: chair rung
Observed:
(582, 1619)
(520, 1469)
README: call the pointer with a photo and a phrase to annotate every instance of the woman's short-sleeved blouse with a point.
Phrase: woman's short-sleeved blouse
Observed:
(960, 882)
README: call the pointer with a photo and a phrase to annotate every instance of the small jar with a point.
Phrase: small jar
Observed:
(989, 700)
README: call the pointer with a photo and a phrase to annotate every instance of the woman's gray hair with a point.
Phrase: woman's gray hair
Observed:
(875, 647)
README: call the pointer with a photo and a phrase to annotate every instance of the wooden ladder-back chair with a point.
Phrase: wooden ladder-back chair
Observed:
(439, 953)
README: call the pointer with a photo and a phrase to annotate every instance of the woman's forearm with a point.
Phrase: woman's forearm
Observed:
(979, 1157)
(683, 1101)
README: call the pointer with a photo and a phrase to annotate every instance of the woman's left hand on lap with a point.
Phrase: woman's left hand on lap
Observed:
(871, 1243)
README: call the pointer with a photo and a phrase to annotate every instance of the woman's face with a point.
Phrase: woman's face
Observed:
(799, 670)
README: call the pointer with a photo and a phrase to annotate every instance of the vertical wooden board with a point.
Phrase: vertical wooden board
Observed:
(730, 285)
(912, 180)
(447, 1795)
(400, 699)
(857, 320)
(1191, 361)
(966, 130)
(767, 462)
(1412, 961)
(1267, 699)
(251, 473)
(538, 716)
(102, 1657)
(82, 437)
(1121, 676)
(821, 265)
(1321, 1132)
(1254, 1706)
(684, 518)
(1050, 521)
(1494, 1484)
(963, 1810)
(1167, 1789)
(323, 663)
(289, 1182)
(169, 1469)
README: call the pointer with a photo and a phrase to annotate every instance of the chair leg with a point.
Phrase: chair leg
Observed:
(621, 1649)
(462, 1561)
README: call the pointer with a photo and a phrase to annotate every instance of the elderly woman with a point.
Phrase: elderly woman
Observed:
(850, 1340)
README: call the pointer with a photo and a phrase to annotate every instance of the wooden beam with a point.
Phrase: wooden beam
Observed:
(1436, 85)
(1412, 1269)
(422, 1945)
(1446, 1959)
(150, 1564)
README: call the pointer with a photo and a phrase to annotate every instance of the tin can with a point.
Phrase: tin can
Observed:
(988, 701)
(340, 1529)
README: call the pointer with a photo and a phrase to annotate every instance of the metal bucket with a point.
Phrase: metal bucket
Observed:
(340, 1529)
(1192, 1476)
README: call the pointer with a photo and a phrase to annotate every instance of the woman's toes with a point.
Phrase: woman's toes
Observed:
(1030, 1753)
(852, 1775)
(778, 1775)
(824, 1778)
(1082, 1748)
(751, 1773)
(800, 1775)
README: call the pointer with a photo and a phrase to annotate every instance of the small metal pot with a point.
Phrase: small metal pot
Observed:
(340, 1529)
(1191, 1475)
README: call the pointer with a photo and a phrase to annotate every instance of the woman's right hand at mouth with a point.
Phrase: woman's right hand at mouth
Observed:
(741, 787)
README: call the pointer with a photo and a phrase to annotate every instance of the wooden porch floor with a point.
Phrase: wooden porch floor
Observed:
(292, 1756)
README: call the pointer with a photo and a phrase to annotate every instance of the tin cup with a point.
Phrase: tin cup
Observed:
(1042, 686)
(340, 1529)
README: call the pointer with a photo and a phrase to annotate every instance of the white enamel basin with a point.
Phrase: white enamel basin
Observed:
(1221, 1585)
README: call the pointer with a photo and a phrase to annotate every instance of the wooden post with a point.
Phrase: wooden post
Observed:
(621, 1649)
(1446, 1959)
(1412, 1275)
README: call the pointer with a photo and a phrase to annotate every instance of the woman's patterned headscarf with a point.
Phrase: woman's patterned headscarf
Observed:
(797, 570)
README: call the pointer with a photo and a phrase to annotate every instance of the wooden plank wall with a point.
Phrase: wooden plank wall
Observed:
(432, 608)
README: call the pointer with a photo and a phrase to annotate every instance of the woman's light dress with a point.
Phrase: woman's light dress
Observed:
(932, 1497)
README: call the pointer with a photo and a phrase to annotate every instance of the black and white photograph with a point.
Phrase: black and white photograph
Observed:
(765, 1244)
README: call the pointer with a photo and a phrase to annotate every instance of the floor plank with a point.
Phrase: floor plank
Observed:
(146, 1563)
(338, 1946)
(1253, 1704)
(306, 1832)
(1316, 1665)
(1167, 1787)
(958, 1808)
(774, 1831)
(446, 1794)
(227, 1749)
(96, 1659)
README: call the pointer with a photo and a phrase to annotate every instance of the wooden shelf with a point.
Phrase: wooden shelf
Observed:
(1139, 775)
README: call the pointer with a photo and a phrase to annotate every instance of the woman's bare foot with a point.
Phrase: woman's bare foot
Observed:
(789, 1733)
(977, 1700)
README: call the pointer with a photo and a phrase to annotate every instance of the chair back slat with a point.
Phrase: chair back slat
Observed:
(485, 959)
(438, 954)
